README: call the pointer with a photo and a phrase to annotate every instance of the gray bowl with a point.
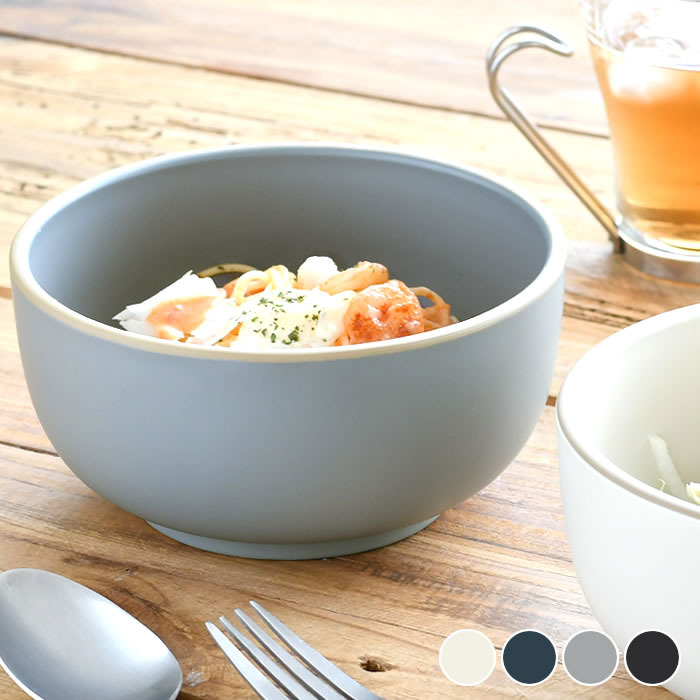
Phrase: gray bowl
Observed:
(289, 453)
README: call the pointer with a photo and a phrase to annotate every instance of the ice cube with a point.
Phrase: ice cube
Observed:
(634, 79)
(654, 49)
(666, 31)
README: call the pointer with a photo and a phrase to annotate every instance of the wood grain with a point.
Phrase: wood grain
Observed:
(69, 114)
(498, 562)
(405, 50)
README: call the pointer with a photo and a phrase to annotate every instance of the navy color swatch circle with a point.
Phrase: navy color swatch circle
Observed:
(652, 657)
(529, 657)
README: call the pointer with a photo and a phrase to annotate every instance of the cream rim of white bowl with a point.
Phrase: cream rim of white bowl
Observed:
(22, 277)
(616, 345)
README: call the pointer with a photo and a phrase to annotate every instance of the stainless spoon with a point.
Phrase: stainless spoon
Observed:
(62, 641)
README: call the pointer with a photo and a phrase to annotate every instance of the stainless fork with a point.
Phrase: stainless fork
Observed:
(326, 681)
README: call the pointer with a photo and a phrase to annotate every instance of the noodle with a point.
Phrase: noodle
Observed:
(224, 268)
(355, 279)
(364, 274)
(264, 309)
(252, 281)
(437, 315)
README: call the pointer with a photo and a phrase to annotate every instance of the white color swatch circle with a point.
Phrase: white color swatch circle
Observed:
(467, 657)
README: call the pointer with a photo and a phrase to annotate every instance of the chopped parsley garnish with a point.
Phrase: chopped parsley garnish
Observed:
(292, 296)
(272, 315)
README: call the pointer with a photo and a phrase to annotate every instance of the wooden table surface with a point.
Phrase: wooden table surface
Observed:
(86, 85)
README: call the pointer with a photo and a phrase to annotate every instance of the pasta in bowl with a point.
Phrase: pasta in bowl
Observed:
(319, 306)
(225, 440)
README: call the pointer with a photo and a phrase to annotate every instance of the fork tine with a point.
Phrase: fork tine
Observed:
(317, 661)
(265, 662)
(255, 679)
(310, 680)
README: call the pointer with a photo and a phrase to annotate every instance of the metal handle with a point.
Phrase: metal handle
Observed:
(494, 60)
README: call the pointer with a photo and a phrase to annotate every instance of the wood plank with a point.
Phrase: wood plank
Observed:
(605, 294)
(498, 562)
(63, 124)
(69, 114)
(405, 50)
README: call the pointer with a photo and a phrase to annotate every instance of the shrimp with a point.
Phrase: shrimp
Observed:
(381, 312)
(355, 279)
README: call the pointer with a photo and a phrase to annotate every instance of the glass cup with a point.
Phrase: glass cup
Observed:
(647, 59)
(646, 56)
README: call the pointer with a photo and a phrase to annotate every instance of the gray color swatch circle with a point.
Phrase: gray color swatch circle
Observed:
(590, 657)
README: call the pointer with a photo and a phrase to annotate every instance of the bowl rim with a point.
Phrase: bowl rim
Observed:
(23, 280)
(616, 345)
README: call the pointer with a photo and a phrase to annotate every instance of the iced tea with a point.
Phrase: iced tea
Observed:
(650, 82)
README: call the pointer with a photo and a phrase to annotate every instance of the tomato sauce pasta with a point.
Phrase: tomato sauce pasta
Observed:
(319, 306)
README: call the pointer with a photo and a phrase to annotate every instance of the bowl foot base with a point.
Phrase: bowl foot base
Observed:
(304, 550)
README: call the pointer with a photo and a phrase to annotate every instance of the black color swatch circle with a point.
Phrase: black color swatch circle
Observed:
(652, 657)
(529, 657)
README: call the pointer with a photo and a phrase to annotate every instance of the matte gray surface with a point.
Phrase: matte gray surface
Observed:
(294, 550)
(432, 226)
(590, 657)
(307, 453)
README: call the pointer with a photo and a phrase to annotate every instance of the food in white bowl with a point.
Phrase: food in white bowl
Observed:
(319, 306)
(290, 452)
(669, 477)
(632, 542)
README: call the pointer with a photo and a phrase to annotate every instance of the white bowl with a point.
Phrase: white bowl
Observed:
(635, 548)
(289, 453)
